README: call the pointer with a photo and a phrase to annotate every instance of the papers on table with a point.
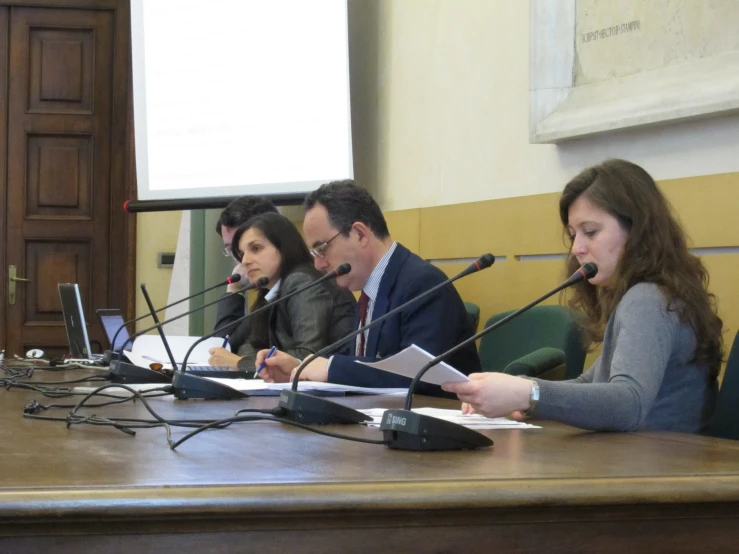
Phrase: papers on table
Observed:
(257, 387)
(410, 361)
(474, 421)
(150, 348)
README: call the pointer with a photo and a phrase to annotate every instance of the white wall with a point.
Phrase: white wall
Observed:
(440, 110)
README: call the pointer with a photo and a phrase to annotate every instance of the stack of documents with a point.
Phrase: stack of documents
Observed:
(473, 421)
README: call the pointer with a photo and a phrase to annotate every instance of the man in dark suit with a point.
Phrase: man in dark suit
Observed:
(344, 224)
(239, 211)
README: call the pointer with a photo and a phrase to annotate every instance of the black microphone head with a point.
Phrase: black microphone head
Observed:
(343, 269)
(589, 270)
(483, 262)
(486, 260)
(261, 282)
(235, 278)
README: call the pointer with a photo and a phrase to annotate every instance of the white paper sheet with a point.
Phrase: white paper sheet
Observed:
(150, 348)
(474, 421)
(410, 361)
(257, 386)
(143, 388)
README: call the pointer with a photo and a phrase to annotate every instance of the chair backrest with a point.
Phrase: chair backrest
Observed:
(726, 419)
(539, 327)
(473, 311)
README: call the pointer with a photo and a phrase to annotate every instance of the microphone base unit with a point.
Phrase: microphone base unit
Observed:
(407, 430)
(311, 410)
(124, 372)
(191, 387)
(109, 356)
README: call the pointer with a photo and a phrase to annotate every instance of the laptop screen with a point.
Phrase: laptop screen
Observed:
(111, 321)
(74, 320)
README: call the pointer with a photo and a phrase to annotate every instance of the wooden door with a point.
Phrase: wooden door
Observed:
(64, 116)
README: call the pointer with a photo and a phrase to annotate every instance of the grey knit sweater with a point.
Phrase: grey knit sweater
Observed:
(644, 378)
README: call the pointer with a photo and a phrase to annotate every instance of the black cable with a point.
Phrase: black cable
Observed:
(91, 378)
(230, 420)
(35, 407)
(128, 424)
(73, 416)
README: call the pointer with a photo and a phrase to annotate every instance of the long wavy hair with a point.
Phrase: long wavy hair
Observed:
(283, 235)
(656, 252)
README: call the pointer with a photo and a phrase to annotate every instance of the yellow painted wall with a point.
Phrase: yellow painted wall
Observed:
(155, 232)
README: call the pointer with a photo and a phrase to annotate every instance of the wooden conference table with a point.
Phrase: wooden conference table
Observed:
(264, 487)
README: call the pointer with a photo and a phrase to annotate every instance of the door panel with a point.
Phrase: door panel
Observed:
(4, 39)
(59, 179)
(62, 73)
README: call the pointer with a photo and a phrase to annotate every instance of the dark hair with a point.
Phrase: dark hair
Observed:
(242, 209)
(346, 203)
(656, 252)
(285, 237)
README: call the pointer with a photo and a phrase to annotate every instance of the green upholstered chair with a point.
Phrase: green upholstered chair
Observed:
(545, 342)
(726, 419)
(473, 311)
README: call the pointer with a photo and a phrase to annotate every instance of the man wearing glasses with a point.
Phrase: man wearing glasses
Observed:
(238, 212)
(344, 224)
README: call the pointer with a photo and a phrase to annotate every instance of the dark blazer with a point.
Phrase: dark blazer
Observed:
(230, 308)
(303, 324)
(436, 324)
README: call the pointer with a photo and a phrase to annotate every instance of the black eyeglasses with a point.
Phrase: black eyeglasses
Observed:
(319, 251)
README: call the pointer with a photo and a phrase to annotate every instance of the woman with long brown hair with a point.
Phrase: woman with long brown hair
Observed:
(648, 305)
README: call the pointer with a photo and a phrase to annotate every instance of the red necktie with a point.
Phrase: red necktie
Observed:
(363, 303)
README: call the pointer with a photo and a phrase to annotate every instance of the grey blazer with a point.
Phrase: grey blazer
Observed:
(303, 324)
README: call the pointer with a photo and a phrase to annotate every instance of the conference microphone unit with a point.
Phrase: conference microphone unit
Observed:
(311, 410)
(126, 372)
(188, 386)
(408, 430)
(112, 354)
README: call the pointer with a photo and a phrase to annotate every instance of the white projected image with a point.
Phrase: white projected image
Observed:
(240, 97)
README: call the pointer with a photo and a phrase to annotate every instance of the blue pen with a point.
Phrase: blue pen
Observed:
(264, 362)
(225, 341)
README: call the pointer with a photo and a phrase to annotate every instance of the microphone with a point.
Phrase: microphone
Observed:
(408, 430)
(307, 409)
(187, 386)
(125, 372)
(110, 354)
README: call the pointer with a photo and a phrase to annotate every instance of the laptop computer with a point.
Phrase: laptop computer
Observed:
(111, 320)
(74, 322)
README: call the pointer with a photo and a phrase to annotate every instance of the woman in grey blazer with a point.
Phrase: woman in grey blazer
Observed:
(270, 246)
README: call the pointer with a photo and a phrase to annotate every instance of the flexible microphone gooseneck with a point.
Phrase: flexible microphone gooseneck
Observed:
(408, 430)
(124, 372)
(188, 386)
(307, 409)
(110, 354)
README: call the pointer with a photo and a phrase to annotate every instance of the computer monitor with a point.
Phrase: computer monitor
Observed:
(74, 321)
(111, 320)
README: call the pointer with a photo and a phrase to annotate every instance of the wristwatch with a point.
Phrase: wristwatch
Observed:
(533, 397)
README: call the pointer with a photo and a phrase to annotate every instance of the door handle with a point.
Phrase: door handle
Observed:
(12, 280)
